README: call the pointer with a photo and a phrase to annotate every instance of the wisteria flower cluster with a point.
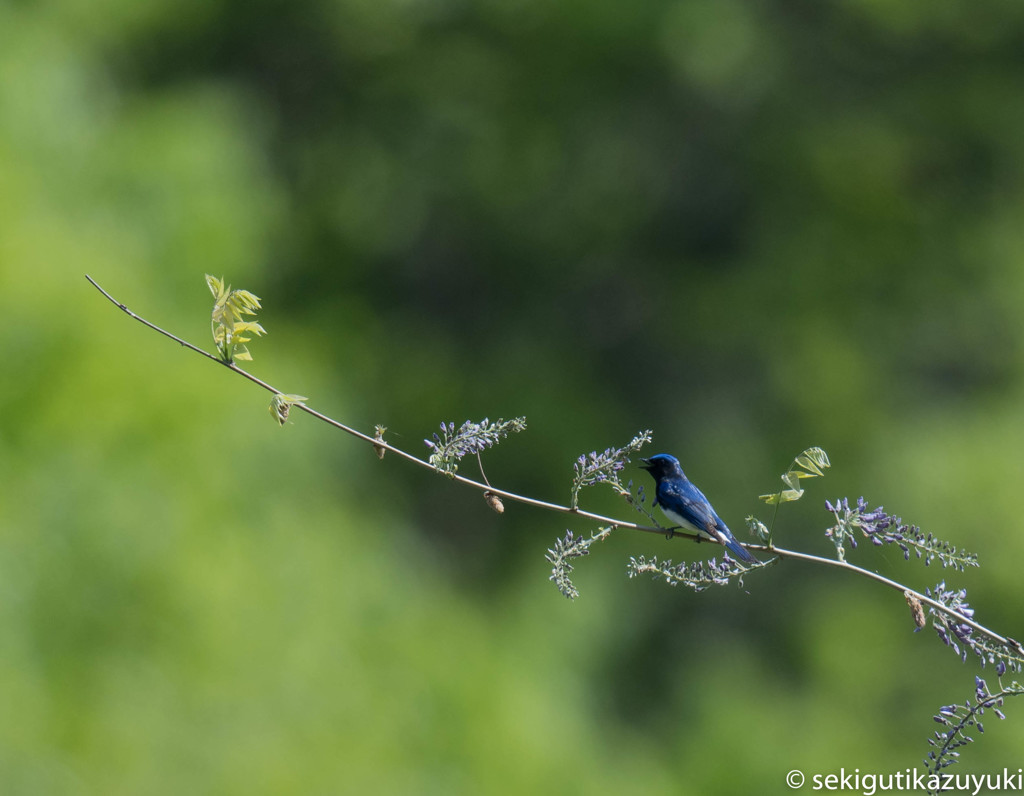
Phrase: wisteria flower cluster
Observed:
(448, 447)
(698, 575)
(952, 633)
(604, 468)
(882, 528)
(959, 719)
(848, 520)
(564, 551)
(960, 636)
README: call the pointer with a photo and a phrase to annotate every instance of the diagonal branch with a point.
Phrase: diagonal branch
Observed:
(381, 444)
(613, 523)
(1009, 643)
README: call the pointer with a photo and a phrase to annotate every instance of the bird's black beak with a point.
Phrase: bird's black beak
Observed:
(646, 464)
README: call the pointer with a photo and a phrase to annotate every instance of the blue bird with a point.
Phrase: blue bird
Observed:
(687, 507)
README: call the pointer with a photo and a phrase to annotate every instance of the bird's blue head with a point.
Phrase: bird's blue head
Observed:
(663, 465)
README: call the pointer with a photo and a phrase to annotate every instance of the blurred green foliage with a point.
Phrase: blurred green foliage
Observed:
(752, 227)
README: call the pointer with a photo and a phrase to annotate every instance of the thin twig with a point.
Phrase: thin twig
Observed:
(1007, 642)
(541, 504)
(398, 451)
(480, 464)
(152, 326)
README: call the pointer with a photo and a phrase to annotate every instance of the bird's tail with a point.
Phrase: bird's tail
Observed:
(741, 553)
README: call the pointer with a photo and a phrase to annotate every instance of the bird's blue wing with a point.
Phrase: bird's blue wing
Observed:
(684, 499)
(684, 503)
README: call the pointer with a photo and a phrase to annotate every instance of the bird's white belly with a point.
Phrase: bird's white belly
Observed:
(678, 519)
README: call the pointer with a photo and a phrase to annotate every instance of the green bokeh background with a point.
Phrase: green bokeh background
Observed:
(750, 226)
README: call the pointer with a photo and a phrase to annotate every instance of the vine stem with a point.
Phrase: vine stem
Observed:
(512, 496)
(867, 573)
(556, 507)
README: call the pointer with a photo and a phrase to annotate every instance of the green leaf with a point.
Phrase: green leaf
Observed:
(785, 496)
(246, 302)
(230, 331)
(216, 286)
(281, 404)
(814, 461)
(758, 529)
(810, 464)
